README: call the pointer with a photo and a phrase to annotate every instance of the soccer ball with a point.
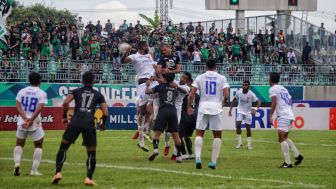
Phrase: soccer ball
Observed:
(123, 47)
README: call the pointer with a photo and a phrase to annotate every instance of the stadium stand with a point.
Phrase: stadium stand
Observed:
(61, 53)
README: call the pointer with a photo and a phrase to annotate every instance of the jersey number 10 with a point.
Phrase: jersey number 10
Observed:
(210, 87)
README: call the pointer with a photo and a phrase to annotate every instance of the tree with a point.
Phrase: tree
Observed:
(152, 22)
(21, 13)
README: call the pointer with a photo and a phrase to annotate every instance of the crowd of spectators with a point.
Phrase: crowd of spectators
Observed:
(56, 40)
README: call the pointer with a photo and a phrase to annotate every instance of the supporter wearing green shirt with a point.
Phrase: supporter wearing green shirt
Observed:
(220, 51)
(95, 45)
(170, 28)
(205, 53)
(236, 51)
(45, 53)
(56, 42)
(35, 31)
(85, 40)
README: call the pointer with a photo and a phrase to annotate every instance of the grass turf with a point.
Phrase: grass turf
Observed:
(121, 164)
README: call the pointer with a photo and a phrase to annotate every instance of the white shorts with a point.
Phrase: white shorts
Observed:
(36, 135)
(142, 97)
(284, 124)
(216, 122)
(247, 119)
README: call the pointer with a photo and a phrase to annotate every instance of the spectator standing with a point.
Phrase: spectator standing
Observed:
(99, 28)
(80, 28)
(306, 53)
(108, 26)
(63, 25)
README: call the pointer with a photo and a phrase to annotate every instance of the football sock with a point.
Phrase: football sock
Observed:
(239, 139)
(175, 151)
(216, 145)
(167, 138)
(61, 156)
(285, 151)
(156, 145)
(198, 147)
(17, 155)
(183, 149)
(178, 150)
(293, 147)
(141, 131)
(36, 158)
(91, 164)
(249, 141)
(189, 145)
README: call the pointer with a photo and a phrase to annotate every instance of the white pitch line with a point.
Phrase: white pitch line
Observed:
(299, 143)
(282, 182)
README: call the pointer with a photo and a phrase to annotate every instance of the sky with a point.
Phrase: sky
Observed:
(182, 11)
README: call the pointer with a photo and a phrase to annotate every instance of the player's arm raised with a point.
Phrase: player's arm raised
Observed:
(66, 103)
(125, 57)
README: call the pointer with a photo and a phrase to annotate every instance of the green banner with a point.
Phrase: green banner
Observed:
(115, 95)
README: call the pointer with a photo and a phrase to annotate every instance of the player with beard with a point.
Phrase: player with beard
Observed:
(245, 111)
(145, 70)
(167, 116)
(168, 63)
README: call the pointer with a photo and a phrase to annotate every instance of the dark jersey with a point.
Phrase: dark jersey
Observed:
(190, 118)
(86, 100)
(167, 95)
(169, 62)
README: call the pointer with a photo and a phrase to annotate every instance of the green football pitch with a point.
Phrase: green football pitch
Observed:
(121, 164)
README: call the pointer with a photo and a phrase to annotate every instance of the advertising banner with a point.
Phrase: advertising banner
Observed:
(126, 119)
(51, 118)
(115, 95)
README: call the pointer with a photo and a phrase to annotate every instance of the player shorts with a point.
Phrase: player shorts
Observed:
(186, 128)
(247, 119)
(36, 134)
(166, 117)
(216, 122)
(142, 97)
(81, 123)
(284, 124)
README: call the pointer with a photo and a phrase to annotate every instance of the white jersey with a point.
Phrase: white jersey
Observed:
(245, 101)
(180, 97)
(30, 97)
(211, 85)
(284, 102)
(144, 65)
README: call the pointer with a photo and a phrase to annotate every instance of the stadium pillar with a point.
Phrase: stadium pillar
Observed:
(282, 21)
(240, 20)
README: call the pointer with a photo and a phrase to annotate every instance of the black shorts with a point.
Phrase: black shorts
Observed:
(86, 127)
(166, 117)
(186, 128)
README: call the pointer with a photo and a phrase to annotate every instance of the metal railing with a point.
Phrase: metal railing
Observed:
(322, 42)
(257, 74)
